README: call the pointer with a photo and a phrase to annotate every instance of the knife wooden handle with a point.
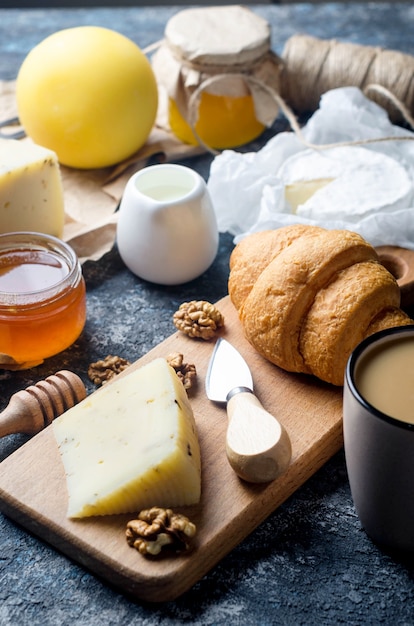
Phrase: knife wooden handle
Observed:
(257, 445)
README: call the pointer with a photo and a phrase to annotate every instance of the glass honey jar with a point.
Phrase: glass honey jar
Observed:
(216, 75)
(42, 298)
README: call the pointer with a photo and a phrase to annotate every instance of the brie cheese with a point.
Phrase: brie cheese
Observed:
(344, 183)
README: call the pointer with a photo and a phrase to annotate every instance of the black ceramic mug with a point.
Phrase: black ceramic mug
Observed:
(378, 419)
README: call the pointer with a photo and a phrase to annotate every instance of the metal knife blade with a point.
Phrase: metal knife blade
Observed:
(227, 370)
(258, 447)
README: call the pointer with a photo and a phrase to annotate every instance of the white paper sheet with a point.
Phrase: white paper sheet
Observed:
(249, 196)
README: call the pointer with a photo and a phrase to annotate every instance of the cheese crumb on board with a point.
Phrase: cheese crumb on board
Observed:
(347, 182)
(31, 192)
(130, 445)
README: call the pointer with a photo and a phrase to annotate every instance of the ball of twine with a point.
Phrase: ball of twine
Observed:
(313, 66)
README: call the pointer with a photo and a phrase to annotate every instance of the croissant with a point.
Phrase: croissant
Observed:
(306, 296)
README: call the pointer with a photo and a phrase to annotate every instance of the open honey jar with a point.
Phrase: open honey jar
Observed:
(42, 298)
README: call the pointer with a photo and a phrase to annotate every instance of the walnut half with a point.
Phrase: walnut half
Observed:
(102, 371)
(199, 319)
(186, 372)
(156, 527)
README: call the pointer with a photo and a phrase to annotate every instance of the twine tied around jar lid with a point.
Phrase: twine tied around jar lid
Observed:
(224, 51)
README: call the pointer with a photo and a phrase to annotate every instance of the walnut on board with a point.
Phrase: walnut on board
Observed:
(105, 369)
(199, 319)
(186, 372)
(156, 527)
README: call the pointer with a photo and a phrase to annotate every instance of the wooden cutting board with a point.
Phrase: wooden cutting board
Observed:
(33, 488)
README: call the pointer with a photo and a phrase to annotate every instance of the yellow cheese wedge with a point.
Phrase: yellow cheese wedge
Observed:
(31, 192)
(131, 445)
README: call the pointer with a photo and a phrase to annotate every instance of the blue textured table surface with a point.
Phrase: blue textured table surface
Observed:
(309, 562)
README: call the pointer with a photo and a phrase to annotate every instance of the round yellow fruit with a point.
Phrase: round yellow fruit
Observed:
(88, 93)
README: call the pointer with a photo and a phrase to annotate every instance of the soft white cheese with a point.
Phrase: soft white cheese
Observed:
(348, 182)
(31, 192)
(131, 445)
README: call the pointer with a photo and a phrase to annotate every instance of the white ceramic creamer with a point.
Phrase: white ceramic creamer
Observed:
(167, 230)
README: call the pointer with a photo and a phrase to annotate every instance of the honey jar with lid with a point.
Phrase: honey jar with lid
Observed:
(217, 76)
(42, 298)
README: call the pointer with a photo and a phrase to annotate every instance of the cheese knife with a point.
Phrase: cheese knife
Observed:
(258, 447)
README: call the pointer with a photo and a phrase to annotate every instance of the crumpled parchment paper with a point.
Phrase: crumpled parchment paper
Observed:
(249, 195)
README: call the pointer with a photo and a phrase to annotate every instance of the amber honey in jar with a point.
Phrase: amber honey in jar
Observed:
(217, 73)
(42, 298)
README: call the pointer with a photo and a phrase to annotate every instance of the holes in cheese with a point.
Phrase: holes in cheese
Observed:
(131, 445)
(31, 192)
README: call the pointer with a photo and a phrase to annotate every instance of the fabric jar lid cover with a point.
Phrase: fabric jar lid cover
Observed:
(218, 35)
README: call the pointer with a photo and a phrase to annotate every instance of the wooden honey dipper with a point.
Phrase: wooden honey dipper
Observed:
(34, 408)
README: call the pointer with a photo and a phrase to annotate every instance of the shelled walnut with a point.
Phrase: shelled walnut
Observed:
(199, 319)
(186, 372)
(102, 371)
(156, 527)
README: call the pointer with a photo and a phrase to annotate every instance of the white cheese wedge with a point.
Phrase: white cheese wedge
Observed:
(131, 445)
(348, 182)
(31, 192)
